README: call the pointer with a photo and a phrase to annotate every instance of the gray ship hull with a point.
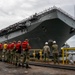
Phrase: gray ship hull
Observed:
(54, 29)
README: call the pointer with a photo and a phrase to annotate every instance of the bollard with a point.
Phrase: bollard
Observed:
(66, 56)
(40, 54)
(34, 54)
(63, 56)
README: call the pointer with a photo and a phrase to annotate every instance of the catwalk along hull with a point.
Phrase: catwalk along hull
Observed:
(44, 29)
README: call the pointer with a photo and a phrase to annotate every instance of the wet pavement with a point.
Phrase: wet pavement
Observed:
(9, 69)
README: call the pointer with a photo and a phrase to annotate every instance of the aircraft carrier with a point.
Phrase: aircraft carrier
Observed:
(51, 24)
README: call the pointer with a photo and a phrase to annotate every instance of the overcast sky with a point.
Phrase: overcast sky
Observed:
(12, 11)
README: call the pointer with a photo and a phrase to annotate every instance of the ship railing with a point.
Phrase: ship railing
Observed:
(40, 13)
(47, 10)
(66, 53)
(36, 54)
(66, 13)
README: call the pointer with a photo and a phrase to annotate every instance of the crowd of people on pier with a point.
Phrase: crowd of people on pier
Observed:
(12, 51)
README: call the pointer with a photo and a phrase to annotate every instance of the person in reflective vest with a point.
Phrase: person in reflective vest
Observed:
(18, 53)
(4, 51)
(25, 51)
(8, 52)
(13, 50)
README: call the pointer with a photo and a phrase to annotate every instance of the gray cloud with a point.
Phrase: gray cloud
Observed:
(71, 41)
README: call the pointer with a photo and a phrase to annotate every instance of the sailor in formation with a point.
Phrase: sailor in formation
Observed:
(18, 53)
(25, 52)
(4, 51)
(12, 52)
